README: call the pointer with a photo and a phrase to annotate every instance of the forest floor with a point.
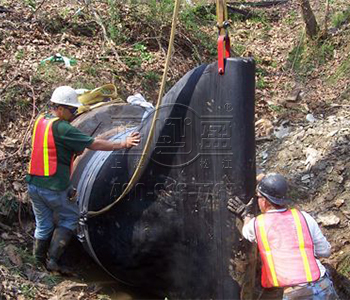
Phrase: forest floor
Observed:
(302, 109)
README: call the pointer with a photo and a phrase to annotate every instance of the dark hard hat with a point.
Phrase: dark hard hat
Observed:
(274, 187)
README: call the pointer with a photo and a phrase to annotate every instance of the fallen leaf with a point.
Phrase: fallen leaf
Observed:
(11, 251)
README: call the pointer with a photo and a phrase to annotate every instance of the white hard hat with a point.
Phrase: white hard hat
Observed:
(65, 95)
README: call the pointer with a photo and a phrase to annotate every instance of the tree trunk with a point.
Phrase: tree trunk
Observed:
(326, 17)
(309, 18)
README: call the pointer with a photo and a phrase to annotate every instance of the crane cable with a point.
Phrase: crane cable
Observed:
(222, 16)
(137, 173)
(224, 50)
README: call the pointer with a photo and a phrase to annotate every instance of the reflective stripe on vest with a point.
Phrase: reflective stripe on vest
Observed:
(43, 160)
(286, 248)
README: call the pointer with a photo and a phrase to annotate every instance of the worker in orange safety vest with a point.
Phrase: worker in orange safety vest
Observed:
(55, 143)
(289, 242)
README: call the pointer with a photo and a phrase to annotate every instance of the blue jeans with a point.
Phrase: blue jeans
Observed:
(47, 205)
(322, 289)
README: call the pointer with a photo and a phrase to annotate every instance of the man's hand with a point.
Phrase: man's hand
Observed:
(236, 206)
(132, 140)
(260, 177)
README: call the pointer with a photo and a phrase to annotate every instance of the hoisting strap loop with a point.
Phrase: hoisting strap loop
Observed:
(223, 39)
(137, 174)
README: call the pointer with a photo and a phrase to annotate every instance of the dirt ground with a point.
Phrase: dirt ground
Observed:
(313, 155)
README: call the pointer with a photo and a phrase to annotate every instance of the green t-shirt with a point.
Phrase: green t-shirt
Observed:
(69, 141)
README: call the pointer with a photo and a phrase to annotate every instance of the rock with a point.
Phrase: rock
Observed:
(17, 186)
(264, 155)
(294, 95)
(329, 196)
(328, 219)
(282, 131)
(332, 133)
(312, 157)
(339, 202)
(342, 140)
(346, 213)
(310, 118)
(339, 167)
(263, 127)
(5, 236)
(11, 251)
(321, 165)
(339, 179)
(347, 185)
(329, 169)
(306, 178)
(312, 131)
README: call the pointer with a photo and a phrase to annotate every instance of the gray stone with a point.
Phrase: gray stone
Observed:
(310, 118)
(328, 219)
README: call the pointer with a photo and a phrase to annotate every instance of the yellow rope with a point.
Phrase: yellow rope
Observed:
(135, 177)
(221, 14)
(90, 98)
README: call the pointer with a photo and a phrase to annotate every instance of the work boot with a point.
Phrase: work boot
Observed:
(40, 250)
(60, 239)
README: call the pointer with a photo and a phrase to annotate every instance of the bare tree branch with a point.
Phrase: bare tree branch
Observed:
(311, 25)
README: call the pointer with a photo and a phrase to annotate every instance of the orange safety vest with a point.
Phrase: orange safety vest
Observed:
(286, 248)
(43, 160)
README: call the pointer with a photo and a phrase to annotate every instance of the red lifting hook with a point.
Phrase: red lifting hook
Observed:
(223, 39)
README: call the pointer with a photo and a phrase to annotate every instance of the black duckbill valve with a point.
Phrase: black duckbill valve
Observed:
(172, 234)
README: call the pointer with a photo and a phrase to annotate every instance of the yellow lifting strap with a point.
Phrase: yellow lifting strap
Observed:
(138, 171)
(222, 16)
(91, 99)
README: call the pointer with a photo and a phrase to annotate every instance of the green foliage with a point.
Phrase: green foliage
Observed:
(139, 55)
(197, 15)
(91, 70)
(161, 9)
(49, 73)
(103, 297)
(192, 18)
(142, 52)
(30, 3)
(132, 61)
(341, 18)
(260, 17)
(150, 80)
(26, 255)
(260, 74)
(344, 265)
(115, 28)
(342, 71)
(124, 26)
(274, 64)
(239, 49)
(51, 280)
(276, 108)
(27, 290)
(307, 56)
(64, 12)
(19, 54)
(291, 18)
(85, 85)
(9, 205)
(261, 84)
(151, 76)
(295, 57)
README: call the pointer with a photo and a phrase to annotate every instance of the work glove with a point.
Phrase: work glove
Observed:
(236, 206)
(72, 194)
